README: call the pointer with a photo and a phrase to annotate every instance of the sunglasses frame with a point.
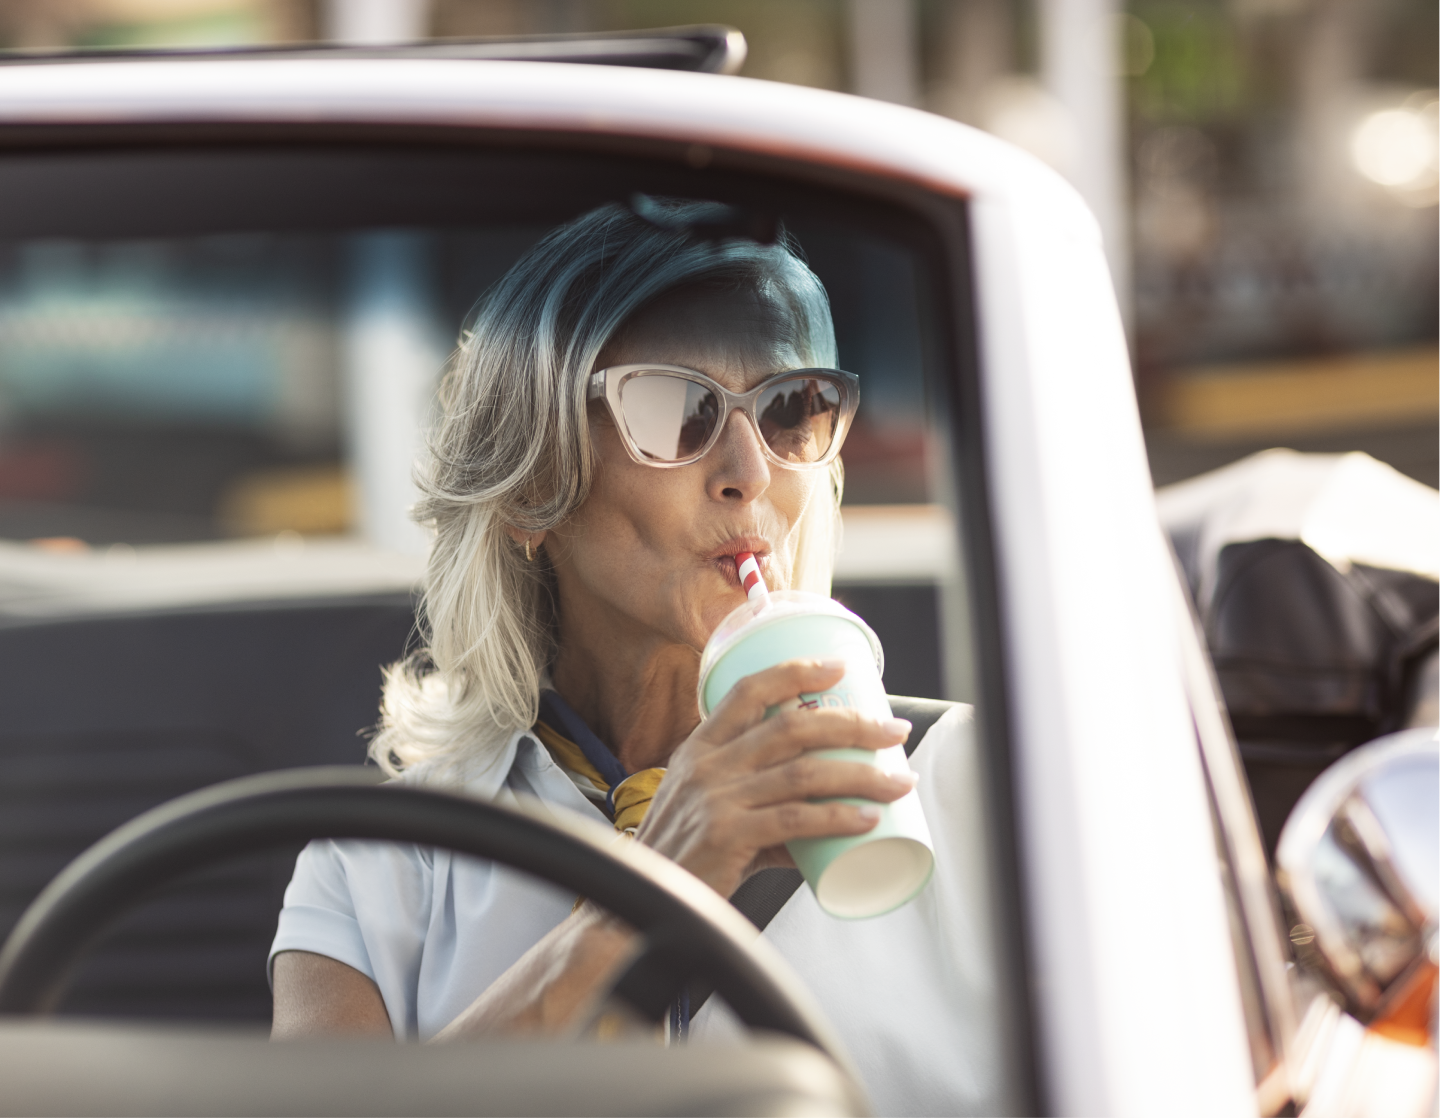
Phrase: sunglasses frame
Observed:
(605, 384)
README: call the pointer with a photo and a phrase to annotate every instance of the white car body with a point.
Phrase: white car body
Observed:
(1137, 1003)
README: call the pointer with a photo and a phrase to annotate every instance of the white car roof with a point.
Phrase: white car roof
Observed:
(724, 113)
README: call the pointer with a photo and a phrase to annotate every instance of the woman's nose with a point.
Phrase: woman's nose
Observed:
(738, 468)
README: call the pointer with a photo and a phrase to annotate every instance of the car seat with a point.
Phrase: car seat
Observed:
(1313, 576)
(104, 716)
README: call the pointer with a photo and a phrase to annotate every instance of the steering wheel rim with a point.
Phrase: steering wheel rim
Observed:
(687, 926)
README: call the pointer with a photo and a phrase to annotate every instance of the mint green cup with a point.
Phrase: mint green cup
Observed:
(852, 876)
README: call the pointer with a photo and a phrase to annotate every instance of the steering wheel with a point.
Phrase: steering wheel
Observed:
(686, 929)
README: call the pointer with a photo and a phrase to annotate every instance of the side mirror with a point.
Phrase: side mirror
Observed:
(1359, 860)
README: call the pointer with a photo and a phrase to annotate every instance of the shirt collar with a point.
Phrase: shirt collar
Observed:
(565, 734)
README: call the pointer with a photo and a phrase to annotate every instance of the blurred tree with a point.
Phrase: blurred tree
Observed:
(1197, 72)
(52, 24)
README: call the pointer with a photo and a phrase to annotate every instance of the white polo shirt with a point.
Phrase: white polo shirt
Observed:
(912, 993)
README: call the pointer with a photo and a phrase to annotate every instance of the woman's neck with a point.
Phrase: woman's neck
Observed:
(637, 694)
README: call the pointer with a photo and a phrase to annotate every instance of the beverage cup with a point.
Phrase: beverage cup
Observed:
(852, 876)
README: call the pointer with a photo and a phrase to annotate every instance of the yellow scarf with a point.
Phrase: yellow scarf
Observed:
(631, 796)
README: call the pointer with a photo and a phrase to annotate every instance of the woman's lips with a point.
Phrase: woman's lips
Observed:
(758, 545)
(723, 558)
(725, 565)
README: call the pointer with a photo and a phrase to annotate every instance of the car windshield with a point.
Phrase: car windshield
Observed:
(216, 365)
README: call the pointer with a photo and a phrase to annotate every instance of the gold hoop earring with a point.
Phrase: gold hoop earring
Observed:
(529, 552)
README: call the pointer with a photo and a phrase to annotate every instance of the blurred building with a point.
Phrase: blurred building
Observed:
(1284, 169)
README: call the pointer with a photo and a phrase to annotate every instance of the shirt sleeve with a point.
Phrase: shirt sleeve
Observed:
(367, 905)
(319, 913)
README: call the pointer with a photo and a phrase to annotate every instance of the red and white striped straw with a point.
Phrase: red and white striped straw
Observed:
(748, 568)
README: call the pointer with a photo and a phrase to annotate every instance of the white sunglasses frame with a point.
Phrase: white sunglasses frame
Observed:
(605, 384)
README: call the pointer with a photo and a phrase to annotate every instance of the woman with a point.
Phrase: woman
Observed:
(584, 544)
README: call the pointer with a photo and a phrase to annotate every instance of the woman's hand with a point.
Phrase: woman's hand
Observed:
(738, 788)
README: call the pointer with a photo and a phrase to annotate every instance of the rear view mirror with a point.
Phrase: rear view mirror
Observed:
(1359, 860)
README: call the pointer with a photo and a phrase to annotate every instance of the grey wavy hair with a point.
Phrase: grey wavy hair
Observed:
(512, 446)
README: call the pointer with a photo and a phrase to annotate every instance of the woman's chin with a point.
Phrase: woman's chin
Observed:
(716, 607)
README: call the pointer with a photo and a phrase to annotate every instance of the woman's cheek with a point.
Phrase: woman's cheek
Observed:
(807, 491)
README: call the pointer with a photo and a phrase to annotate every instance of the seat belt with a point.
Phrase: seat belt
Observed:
(762, 895)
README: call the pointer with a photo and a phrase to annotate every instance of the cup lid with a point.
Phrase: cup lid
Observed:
(781, 604)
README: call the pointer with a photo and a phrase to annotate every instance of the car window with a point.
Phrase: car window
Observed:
(190, 345)
(218, 360)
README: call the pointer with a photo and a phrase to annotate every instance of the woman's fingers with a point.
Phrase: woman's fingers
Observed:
(770, 826)
(742, 784)
(815, 778)
(748, 700)
(792, 733)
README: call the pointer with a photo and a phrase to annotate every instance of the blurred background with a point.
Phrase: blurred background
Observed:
(1265, 173)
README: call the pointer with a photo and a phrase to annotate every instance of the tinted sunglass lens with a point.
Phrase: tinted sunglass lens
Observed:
(799, 418)
(669, 418)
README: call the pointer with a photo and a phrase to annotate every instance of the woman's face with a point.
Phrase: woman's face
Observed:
(652, 549)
